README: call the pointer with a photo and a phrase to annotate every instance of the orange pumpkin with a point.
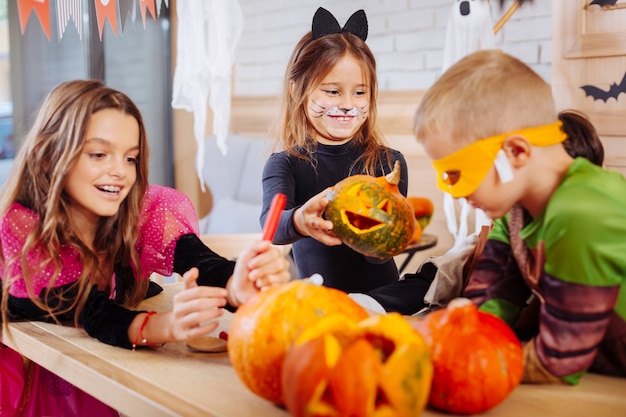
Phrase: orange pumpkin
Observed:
(377, 367)
(264, 328)
(370, 215)
(478, 359)
(423, 209)
(417, 233)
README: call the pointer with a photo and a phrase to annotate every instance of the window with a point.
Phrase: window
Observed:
(6, 104)
(135, 61)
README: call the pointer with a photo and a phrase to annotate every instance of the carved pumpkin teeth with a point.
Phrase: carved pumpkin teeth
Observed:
(359, 223)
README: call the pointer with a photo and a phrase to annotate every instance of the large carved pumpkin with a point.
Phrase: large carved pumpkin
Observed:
(370, 215)
(264, 328)
(377, 367)
(478, 359)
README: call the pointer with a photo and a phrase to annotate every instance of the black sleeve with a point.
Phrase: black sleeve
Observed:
(192, 252)
(106, 320)
(215, 271)
(406, 296)
(280, 175)
(101, 317)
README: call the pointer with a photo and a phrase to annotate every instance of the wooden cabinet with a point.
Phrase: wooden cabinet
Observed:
(589, 49)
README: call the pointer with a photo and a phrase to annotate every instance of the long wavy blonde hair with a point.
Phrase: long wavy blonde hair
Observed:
(37, 181)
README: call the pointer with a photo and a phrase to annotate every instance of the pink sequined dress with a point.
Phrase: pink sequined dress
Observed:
(168, 242)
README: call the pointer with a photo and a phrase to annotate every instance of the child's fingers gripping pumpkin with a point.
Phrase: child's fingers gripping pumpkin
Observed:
(309, 220)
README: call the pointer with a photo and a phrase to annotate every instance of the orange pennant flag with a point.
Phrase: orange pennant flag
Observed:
(150, 5)
(106, 9)
(42, 10)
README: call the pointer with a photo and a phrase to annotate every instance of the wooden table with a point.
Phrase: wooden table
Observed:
(229, 245)
(174, 381)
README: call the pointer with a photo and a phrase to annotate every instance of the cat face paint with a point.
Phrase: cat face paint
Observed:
(339, 105)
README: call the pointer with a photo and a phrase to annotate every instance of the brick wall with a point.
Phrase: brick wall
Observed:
(406, 37)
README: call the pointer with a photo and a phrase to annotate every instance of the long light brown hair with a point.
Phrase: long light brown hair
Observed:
(310, 62)
(37, 181)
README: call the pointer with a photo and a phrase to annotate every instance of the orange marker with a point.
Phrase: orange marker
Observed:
(271, 223)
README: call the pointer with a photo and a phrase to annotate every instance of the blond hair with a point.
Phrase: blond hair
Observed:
(484, 94)
(38, 177)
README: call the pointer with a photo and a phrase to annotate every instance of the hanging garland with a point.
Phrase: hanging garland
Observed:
(67, 10)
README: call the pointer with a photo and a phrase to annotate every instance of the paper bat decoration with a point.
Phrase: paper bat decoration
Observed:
(603, 3)
(600, 94)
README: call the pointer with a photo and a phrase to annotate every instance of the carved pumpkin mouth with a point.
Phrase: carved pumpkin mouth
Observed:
(359, 223)
(362, 223)
(363, 219)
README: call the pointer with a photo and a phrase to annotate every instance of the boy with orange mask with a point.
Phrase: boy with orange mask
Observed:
(559, 222)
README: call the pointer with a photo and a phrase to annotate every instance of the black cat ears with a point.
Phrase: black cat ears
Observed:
(324, 23)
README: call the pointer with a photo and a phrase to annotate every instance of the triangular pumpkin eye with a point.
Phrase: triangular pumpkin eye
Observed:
(355, 190)
(385, 206)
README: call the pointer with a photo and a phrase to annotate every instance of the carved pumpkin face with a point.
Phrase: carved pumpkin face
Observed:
(370, 215)
(264, 328)
(478, 359)
(377, 367)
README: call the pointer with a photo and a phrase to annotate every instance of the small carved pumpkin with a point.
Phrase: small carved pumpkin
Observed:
(264, 328)
(422, 209)
(377, 367)
(478, 359)
(370, 215)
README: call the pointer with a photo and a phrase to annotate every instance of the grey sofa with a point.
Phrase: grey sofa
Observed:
(234, 181)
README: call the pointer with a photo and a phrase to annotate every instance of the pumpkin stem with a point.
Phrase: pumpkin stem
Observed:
(463, 312)
(393, 177)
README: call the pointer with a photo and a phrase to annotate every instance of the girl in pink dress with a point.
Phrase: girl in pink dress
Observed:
(80, 234)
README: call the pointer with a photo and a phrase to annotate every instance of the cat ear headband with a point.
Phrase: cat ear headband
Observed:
(324, 23)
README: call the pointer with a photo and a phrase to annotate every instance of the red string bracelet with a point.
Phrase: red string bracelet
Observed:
(140, 337)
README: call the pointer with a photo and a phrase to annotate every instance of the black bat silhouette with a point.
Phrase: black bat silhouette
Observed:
(603, 3)
(600, 94)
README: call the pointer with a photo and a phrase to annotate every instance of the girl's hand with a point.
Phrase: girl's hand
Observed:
(259, 266)
(308, 220)
(196, 308)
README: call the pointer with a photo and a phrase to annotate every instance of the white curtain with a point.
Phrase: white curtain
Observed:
(208, 33)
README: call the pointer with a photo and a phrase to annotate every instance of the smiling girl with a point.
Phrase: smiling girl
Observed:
(328, 132)
(81, 231)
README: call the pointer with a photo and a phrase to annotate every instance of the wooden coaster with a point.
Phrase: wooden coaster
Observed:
(207, 344)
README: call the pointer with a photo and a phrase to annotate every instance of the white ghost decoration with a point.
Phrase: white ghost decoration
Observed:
(469, 29)
(208, 33)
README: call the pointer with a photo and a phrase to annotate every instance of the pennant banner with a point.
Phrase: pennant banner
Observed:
(67, 10)
(127, 7)
(159, 3)
(147, 4)
(106, 9)
(42, 10)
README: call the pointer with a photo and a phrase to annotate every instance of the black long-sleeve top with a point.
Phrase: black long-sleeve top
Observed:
(341, 267)
(105, 318)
